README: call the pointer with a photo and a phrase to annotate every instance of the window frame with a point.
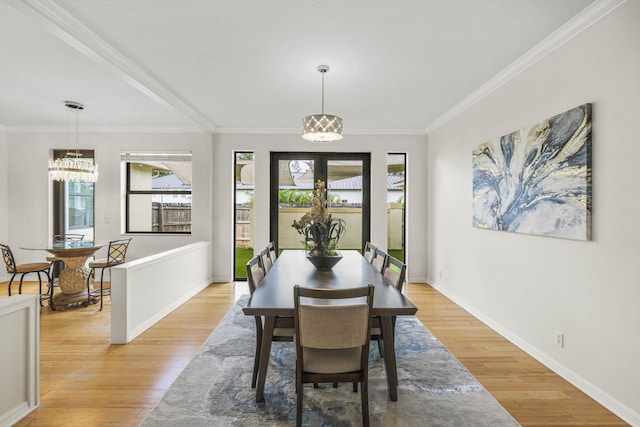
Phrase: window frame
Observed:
(129, 192)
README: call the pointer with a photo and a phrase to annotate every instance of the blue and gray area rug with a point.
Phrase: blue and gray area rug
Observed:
(214, 389)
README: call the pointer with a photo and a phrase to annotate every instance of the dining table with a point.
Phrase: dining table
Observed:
(274, 298)
(73, 278)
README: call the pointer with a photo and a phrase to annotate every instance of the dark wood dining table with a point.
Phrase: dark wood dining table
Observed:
(274, 298)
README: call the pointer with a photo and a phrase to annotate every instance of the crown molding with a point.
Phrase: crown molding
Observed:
(590, 15)
(297, 131)
(104, 129)
(71, 31)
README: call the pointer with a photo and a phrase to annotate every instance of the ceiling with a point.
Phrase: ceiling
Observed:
(397, 66)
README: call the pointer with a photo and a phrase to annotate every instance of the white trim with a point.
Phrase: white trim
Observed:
(104, 129)
(294, 131)
(596, 393)
(67, 28)
(590, 15)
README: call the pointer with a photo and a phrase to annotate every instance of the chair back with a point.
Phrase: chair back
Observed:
(255, 273)
(379, 259)
(333, 325)
(273, 253)
(117, 251)
(394, 271)
(368, 252)
(266, 260)
(9, 260)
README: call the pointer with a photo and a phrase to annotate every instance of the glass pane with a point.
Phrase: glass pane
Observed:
(169, 213)
(80, 205)
(396, 184)
(244, 167)
(168, 176)
(345, 199)
(295, 196)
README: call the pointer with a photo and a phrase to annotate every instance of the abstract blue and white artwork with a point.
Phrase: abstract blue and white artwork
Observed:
(537, 180)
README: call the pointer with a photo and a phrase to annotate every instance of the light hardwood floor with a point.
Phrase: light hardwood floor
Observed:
(85, 381)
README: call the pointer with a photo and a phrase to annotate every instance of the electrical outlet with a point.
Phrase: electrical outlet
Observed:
(559, 339)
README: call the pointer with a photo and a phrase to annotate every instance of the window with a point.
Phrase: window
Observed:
(243, 196)
(80, 205)
(158, 192)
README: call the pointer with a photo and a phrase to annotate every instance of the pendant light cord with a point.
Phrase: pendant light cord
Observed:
(322, 72)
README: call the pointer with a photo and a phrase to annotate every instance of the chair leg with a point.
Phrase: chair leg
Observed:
(101, 293)
(20, 286)
(39, 288)
(380, 347)
(364, 397)
(256, 359)
(88, 289)
(299, 402)
(355, 387)
(10, 282)
(51, 286)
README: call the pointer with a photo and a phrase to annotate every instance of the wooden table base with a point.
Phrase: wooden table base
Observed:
(62, 300)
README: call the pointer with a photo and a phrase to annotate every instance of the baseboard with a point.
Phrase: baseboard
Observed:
(596, 393)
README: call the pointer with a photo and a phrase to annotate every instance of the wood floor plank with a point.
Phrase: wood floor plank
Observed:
(85, 381)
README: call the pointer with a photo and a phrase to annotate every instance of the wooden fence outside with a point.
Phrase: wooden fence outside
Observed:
(171, 217)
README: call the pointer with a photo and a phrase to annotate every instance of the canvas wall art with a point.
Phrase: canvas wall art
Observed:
(537, 180)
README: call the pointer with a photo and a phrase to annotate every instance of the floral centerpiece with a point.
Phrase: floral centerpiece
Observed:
(320, 230)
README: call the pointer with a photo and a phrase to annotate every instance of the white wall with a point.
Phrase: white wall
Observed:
(525, 286)
(4, 187)
(377, 145)
(4, 194)
(29, 188)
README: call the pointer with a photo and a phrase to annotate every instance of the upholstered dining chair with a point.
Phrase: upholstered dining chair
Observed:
(369, 251)
(332, 340)
(394, 271)
(24, 269)
(284, 328)
(379, 258)
(273, 253)
(266, 260)
(115, 256)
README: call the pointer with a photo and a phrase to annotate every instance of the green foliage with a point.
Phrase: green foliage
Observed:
(243, 255)
(295, 197)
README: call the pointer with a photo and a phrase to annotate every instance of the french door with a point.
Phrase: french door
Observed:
(348, 181)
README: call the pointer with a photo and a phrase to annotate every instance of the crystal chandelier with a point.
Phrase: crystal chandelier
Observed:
(322, 127)
(72, 167)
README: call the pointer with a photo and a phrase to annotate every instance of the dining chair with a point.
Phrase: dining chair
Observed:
(115, 256)
(379, 258)
(24, 269)
(284, 327)
(368, 252)
(332, 340)
(266, 260)
(394, 271)
(273, 253)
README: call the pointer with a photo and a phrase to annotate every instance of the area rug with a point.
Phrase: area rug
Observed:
(215, 388)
